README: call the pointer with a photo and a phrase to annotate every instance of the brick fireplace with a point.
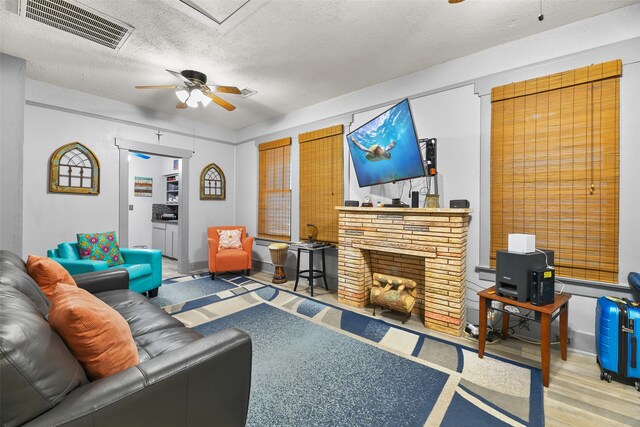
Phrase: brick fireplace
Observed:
(423, 244)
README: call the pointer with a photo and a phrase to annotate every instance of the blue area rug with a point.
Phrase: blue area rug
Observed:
(188, 288)
(315, 364)
(305, 374)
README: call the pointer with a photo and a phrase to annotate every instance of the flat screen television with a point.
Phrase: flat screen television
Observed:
(386, 148)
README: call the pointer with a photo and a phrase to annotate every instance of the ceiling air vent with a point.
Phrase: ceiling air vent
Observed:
(246, 92)
(78, 19)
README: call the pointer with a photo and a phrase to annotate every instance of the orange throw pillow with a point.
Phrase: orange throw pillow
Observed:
(48, 273)
(97, 335)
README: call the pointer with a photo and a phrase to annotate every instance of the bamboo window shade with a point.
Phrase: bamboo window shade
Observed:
(274, 199)
(321, 181)
(555, 168)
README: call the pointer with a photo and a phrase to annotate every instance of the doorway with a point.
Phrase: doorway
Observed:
(180, 237)
(154, 194)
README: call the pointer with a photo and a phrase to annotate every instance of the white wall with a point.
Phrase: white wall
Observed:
(207, 213)
(12, 93)
(55, 116)
(445, 107)
(51, 218)
(140, 217)
(246, 177)
(629, 243)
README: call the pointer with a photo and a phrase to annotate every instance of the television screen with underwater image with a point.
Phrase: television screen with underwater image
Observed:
(386, 148)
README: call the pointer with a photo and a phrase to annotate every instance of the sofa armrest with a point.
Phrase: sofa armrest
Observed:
(140, 256)
(206, 382)
(79, 266)
(247, 246)
(152, 257)
(105, 280)
(213, 251)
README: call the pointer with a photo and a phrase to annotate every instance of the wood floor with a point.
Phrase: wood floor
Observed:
(576, 396)
(169, 268)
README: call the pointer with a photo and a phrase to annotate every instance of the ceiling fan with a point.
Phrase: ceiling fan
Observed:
(196, 90)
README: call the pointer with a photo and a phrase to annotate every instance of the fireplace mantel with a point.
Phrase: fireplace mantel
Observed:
(426, 243)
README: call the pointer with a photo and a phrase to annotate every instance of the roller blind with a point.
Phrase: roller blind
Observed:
(555, 168)
(274, 198)
(321, 178)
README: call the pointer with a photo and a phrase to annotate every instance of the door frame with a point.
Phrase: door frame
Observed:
(124, 147)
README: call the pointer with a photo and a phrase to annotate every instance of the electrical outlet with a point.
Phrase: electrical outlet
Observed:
(496, 304)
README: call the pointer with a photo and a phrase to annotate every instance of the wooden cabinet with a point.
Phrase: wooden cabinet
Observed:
(172, 242)
(166, 238)
(172, 189)
(158, 236)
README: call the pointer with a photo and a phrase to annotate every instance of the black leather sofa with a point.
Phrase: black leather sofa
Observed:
(183, 379)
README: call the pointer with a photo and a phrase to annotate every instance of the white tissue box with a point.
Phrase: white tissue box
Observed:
(522, 243)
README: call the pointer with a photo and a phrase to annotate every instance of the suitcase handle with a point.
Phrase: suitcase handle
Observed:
(634, 345)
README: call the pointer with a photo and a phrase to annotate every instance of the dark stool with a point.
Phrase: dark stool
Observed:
(312, 274)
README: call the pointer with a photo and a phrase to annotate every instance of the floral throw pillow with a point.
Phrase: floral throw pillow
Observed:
(229, 239)
(100, 247)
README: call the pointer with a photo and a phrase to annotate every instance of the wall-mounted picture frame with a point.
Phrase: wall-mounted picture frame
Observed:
(142, 186)
(212, 183)
(74, 169)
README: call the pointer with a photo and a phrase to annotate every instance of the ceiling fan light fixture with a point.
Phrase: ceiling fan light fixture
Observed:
(182, 95)
(195, 90)
(192, 101)
(205, 100)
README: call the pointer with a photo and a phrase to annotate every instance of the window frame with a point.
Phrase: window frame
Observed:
(580, 79)
(318, 196)
(274, 183)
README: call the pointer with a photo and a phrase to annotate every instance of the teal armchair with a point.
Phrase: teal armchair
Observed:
(144, 265)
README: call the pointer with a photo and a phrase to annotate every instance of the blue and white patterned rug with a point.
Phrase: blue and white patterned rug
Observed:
(187, 288)
(318, 364)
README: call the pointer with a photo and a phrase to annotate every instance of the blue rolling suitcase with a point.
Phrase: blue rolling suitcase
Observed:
(617, 338)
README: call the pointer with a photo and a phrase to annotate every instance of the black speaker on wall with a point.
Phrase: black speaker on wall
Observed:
(415, 197)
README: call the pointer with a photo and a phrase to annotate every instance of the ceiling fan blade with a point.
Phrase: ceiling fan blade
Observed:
(158, 87)
(225, 89)
(180, 76)
(221, 102)
(181, 105)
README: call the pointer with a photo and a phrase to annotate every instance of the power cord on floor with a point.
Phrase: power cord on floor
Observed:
(497, 336)
(518, 337)
(474, 338)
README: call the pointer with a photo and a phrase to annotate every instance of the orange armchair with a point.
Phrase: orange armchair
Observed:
(221, 260)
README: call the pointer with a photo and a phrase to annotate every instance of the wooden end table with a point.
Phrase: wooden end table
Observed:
(545, 314)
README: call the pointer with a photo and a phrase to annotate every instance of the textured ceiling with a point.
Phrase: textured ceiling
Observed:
(294, 53)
